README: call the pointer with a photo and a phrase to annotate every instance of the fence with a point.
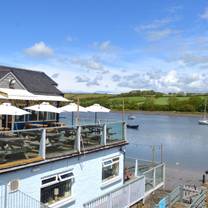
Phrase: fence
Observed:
(154, 173)
(190, 195)
(17, 199)
(122, 197)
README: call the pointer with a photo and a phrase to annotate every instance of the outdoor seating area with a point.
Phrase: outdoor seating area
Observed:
(91, 135)
(19, 145)
(60, 141)
(51, 142)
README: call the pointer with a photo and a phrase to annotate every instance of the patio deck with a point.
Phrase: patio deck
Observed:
(28, 145)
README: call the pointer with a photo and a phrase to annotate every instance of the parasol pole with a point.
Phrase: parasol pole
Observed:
(123, 110)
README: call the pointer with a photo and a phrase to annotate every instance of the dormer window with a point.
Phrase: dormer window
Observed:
(12, 83)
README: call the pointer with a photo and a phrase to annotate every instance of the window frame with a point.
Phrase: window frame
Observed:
(57, 181)
(115, 178)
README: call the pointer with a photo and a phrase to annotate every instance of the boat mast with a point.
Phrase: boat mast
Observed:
(205, 109)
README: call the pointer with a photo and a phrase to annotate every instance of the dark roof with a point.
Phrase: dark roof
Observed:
(34, 81)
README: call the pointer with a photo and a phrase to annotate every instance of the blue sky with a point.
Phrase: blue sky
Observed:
(110, 46)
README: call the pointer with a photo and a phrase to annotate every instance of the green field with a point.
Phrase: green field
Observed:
(157, 102)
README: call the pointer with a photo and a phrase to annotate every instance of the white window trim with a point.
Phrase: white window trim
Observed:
(65, 179)
(114, 179)
(58, 180)
(62, 202)
(50, 183)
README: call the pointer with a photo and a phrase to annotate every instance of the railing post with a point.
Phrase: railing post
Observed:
(136, 168)
(129, 194)
(154, 177)
(124, 131)
(110, 201)
(43, 144)
(78, 139)
(164, 176)
(104, 137)
(5, 196)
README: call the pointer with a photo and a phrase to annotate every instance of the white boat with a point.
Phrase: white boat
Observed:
(204, 120)
(131, 117)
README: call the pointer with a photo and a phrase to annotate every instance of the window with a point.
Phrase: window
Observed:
(51, 116)
(19, 118)
(33, 116)
(110, 169)
(42, 116)
(56, 188)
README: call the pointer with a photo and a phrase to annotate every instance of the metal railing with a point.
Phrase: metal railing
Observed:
(123, 197)
(18, 199)
(191, 196)
(154, 173)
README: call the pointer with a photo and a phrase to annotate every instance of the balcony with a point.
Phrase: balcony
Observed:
(153, 172)
(144, 177)
(25, 146)
(123, 197)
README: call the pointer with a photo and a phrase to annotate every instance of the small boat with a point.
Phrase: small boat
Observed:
(136, 126)
(204, 120)
(131, 117)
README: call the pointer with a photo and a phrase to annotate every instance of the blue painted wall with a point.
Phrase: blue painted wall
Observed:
(87, 170)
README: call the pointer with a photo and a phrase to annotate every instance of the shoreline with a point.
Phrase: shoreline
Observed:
(176, 176)
(168, 113)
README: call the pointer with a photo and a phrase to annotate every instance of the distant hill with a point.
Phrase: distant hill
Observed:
(144, 100)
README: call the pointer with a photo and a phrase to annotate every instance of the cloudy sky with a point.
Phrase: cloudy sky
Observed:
(109, 46)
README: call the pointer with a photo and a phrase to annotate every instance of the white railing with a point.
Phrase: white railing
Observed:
(154, 173)
(123, 197)
(17, 199)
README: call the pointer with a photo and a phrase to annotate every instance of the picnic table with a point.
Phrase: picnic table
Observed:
(12, 145)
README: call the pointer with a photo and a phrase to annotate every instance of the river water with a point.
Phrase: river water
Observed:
(185, 142)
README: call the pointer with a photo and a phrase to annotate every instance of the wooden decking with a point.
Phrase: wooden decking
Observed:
(20, 162)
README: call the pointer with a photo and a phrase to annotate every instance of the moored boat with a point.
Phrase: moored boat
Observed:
(136, 126)
(131, 117)
(204, 120)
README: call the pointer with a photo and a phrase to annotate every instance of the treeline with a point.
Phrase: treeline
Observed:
(146, 101)
(192, 104)
(140, 93)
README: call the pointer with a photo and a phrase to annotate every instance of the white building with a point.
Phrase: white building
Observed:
(71, 167)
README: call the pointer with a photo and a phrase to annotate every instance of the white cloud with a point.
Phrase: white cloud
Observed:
(170, 81)
(158, 29)
(88, 63)
(161, 34)
(204, 15)
(154, 25)
(39, 50)
(70, 38)
(192, 59)
(104, 46)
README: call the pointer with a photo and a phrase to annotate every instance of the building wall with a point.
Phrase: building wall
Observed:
(4, 83)
(87, 170)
